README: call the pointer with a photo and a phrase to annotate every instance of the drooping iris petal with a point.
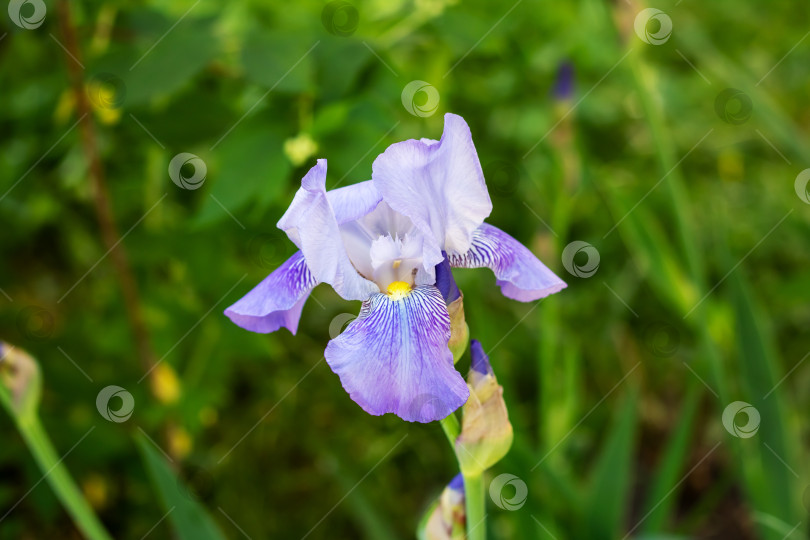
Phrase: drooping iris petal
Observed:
(439, 185)
(519, 273)
(311, 223)
(394, 357)
(277, 301)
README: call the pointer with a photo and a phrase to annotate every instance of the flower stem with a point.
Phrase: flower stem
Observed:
(59, 478)
(451, 429)
(476, 514)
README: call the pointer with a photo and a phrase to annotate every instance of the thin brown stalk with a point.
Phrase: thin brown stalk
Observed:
(101, 196)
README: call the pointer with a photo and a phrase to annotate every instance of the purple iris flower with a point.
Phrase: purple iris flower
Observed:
(379, 242)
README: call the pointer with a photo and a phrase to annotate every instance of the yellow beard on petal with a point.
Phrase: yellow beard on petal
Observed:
(398, 290)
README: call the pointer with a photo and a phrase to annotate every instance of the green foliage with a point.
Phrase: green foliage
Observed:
(615, 387)
(188, 518)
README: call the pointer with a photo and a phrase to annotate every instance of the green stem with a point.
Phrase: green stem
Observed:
(474, 498)
(59, 478)
(451, 429)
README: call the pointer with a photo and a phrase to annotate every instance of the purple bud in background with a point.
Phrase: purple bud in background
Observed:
(457, 483)
(445, 282)
(480, 360)
(564, 84)
(446, 519)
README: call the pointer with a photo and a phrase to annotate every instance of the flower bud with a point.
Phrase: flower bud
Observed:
(446, 518)
(486, 434)
(20, 380)
(459, 331)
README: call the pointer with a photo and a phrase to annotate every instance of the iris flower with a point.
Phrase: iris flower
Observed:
(379, 242)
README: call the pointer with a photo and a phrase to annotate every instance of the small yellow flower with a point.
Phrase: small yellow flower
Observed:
(165, 384)
(300, 148)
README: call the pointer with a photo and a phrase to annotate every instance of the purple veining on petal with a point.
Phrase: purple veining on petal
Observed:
(480, 360)
(519, 273)
(277, 301)
(439, 185)
(394, 358)
(445, 282)
(311, 223)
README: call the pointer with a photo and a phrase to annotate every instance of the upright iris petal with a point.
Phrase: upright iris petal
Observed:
(384, 246)
(311, 223)
(439, 185)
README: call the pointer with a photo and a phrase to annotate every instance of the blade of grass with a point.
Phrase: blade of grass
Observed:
(608, 501)
(188, 518)
(774, 489)
(659, 507)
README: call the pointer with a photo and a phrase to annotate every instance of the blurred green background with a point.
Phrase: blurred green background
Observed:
(615, 387)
